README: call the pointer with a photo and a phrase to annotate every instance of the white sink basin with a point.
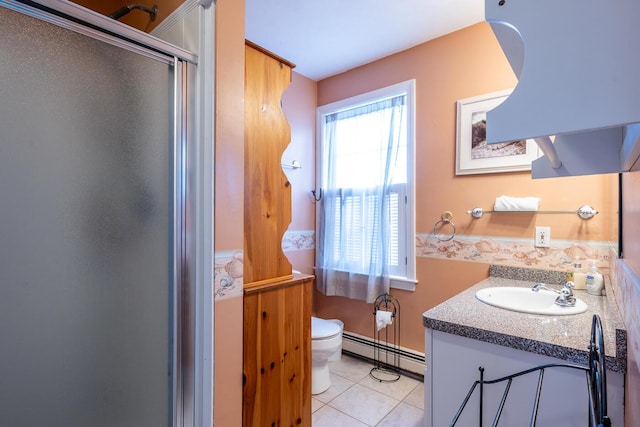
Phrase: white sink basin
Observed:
(526, 300)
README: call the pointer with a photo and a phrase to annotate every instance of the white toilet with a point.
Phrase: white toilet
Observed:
(326, 346)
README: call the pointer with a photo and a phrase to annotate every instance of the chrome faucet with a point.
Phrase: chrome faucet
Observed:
(565, 295)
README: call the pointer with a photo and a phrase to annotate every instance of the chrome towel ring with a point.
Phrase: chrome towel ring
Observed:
(445, 219)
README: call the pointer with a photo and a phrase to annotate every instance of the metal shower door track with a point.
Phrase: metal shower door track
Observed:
(84, 21)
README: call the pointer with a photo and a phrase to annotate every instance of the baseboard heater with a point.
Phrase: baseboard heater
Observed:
(411, 361)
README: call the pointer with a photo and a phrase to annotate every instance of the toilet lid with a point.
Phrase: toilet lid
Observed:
(321, 328)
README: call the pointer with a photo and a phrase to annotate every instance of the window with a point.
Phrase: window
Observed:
(365, 170)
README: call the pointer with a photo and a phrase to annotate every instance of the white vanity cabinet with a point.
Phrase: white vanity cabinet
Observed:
(463, 334)
(452, 367)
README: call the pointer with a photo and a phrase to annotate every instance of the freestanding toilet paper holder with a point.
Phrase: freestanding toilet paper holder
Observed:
(386, 359)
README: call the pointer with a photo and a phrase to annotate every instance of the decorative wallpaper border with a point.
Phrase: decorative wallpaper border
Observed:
(515, 252)
(228, 265)
(298, 240)
(228, 277)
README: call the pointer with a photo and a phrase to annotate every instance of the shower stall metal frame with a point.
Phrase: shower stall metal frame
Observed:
(189, 194)
(84, 21)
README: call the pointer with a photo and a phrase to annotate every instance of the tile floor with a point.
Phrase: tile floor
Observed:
(357, 400)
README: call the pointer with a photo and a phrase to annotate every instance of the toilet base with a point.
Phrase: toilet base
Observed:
(320, 380)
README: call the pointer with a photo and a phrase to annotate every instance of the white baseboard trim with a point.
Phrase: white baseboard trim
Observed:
(410, 360)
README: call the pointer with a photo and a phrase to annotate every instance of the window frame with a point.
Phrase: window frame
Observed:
(403, 88)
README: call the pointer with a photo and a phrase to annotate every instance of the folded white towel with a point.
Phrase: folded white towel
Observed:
(506, 203)
(383, 319)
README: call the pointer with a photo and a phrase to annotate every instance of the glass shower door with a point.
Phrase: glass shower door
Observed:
(87, 231)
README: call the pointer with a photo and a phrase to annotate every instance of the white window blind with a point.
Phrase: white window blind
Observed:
(357, 238)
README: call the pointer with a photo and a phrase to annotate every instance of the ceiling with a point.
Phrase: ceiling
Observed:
(327, 37)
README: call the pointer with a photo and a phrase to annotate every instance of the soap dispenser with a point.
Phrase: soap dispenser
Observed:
(594, 281)
(579, 275)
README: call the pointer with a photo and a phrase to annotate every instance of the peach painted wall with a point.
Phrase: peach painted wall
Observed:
(299, 106)
(439, 280)
(229, 204)
(463, 64)
(229, 126)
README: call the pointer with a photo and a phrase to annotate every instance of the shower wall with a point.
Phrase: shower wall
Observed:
(87, 230)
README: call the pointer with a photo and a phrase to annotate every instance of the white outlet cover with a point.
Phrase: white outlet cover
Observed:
(543, 237)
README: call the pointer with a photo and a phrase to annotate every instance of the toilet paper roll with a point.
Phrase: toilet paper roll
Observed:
(383, 318)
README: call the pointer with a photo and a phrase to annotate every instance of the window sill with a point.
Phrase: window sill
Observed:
(396, 282)
(403, 283)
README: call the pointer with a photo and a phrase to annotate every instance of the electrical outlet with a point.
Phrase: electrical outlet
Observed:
(543, 237)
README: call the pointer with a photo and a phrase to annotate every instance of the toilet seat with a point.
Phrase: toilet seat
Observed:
(322, 329)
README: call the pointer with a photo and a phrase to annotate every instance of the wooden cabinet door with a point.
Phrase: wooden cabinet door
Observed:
(277, 354)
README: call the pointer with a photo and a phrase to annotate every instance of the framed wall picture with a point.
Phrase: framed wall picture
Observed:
(473, 154)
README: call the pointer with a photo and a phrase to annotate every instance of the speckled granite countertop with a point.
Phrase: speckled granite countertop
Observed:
(562, 337)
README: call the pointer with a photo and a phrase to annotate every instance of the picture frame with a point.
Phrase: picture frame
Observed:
(473, 154)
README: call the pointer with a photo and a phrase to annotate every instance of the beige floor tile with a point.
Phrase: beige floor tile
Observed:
(330, 417)
(397, 389)
(315, 404)
(338, 385)
(351, 368)
(364, 404)
(416, 397)
(384, 374)
(403, 415)
(355, 399)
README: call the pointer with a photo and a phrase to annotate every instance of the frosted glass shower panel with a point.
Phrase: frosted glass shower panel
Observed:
(86, 230)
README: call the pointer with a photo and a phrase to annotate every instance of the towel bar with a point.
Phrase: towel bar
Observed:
(584, 212)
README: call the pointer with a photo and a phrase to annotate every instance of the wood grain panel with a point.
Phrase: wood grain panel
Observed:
(267, 191)
(277, 354)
